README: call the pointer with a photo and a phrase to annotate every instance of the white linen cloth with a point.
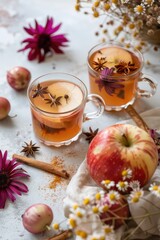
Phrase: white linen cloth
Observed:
(81, 185)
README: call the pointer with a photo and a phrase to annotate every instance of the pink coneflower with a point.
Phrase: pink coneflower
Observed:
(43, 40)
(9, 179)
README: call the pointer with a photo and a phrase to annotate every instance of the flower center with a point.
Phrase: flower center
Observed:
(4, 180)
(44, 41)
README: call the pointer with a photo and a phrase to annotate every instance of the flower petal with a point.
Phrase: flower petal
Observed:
(55, 29)
(10, 194)
(13, 189)
(1, 160)
(19, 186)
(49, 24)
(3, 198)
(33, 53)
(59, 39)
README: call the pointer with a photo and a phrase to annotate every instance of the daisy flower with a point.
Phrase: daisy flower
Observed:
(139, 9)
(9, 179)
(122, 186)
(155, 189)
(108, 184)
(127, 173)
(113, 196)
(43, 40)
(108, 229)
(72, 222)
(134, 184)
(136, 195)
(99, 195)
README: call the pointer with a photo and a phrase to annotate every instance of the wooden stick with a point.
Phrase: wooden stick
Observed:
(62, 236)
(41, 165)
(137, 118)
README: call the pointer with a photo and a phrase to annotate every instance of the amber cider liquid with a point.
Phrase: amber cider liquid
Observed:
(113, 56)
(57, 122)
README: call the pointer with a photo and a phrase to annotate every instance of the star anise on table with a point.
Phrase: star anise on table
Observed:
(53, 100)
(39, 91)
(99, 64)
(90, 134)
(125, 68)
(30, 148)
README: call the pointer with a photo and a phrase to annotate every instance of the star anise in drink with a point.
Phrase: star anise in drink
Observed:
(99, 65)
(125, 68)
(90, 134)
(53, 100)
(39, 91)
(66, 97)
(30, 148)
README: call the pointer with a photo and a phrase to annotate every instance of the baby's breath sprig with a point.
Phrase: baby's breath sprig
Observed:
(139, 20)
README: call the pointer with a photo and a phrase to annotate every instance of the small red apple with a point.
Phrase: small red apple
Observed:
(37, 218)
(4, 107)
(18, 78)
(117, 213)
(120, 147)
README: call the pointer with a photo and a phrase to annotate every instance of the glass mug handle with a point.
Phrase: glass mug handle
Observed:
(99, 102)
(153, 86)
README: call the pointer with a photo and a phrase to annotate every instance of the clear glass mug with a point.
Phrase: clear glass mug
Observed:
(57, 102)
(115, 73)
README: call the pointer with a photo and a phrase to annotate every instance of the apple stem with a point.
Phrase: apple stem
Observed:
(125, 140)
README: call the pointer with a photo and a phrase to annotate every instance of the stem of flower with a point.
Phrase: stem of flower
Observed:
(61, 236)
(131, 234)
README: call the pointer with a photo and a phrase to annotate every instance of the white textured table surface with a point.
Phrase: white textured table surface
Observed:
(14, 131)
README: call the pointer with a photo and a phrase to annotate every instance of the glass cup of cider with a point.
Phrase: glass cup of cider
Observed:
(57, 102)
(115, 73)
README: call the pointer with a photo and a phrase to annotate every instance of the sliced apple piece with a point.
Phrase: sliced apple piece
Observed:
(62, 88)
(113, 56)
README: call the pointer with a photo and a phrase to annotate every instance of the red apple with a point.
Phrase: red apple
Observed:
(117, 213)
(18, 78)
(5, 107)
(120, 147)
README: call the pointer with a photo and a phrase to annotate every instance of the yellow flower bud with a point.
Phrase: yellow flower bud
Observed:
(77, 7)
(107, 6)
(95, 14)
(96, 3)
(131, 25)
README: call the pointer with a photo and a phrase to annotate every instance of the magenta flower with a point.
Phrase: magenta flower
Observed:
(43, 40)
(109, 84)
(9, 179)
(156, 137)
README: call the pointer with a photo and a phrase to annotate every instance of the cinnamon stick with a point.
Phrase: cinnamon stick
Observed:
(41, 165)
(62, 236)
(137, 118)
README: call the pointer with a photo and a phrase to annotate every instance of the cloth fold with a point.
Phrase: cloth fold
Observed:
(82, 185)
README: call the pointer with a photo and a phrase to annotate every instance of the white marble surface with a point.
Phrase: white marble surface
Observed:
(14, 131)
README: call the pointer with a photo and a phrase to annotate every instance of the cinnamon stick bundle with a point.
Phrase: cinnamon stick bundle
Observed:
(41, 165)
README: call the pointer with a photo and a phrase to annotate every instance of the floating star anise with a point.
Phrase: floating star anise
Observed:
(125, 68)
(53, 100)
(99, 65)
(29, 149)
(39, 91)
(91, 134)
